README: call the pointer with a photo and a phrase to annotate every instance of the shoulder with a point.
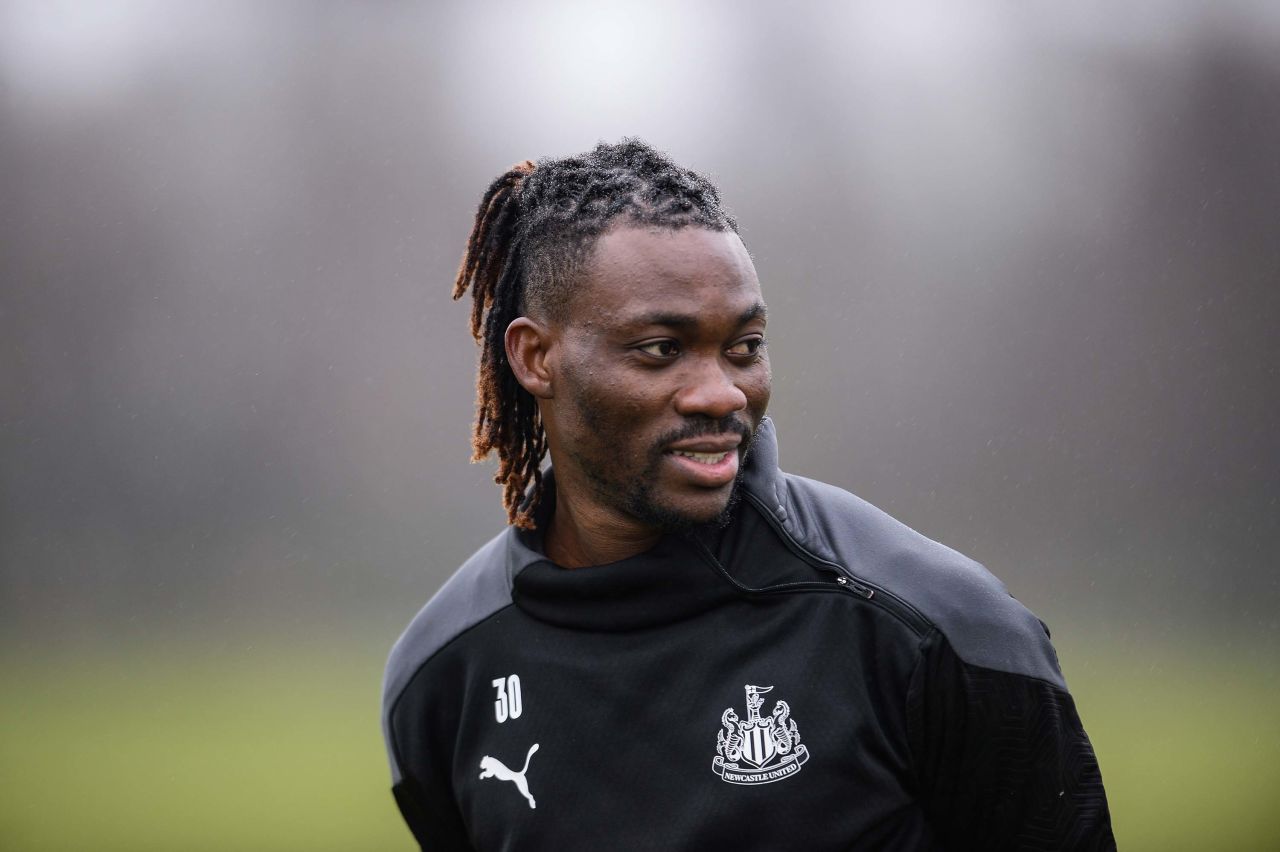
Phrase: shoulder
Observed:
(957, 596)
(477, 590)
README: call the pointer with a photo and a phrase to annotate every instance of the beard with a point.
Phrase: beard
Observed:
(640, 504)
(636, 494)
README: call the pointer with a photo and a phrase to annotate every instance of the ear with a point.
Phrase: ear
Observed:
(528, 352)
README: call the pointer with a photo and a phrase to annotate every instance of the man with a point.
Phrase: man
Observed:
(675, 645)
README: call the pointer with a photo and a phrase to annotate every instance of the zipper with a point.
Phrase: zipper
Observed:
(840, 583)
(863, 589)
(857, 588)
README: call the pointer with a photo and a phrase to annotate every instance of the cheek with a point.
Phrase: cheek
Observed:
(620, 397)
(628, 419)
(604, 409)
(758, 387)
(636, 405)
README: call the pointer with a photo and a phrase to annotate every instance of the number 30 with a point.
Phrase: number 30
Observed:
(509, 704)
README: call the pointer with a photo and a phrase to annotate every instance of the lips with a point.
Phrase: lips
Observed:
(703, 458)
(708, 461)
(706, 444)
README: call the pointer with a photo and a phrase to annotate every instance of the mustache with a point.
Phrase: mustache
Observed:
(704, 426)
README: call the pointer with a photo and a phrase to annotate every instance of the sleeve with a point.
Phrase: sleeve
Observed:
(421, 785)
(424, 797)
(431, 816)
(1002, 761)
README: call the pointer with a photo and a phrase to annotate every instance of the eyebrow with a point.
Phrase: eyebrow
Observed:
(756, 311)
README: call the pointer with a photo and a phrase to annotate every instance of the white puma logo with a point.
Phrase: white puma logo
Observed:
(491, 767)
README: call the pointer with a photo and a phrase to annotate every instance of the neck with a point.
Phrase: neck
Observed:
(582, 533)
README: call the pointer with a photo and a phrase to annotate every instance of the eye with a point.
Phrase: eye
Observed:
(660, 348)
(748, 347)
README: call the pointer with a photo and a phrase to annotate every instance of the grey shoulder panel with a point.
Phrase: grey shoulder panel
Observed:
(477, 590)
(985, 625)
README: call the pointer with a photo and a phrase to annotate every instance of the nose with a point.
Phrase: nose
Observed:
(709, 390)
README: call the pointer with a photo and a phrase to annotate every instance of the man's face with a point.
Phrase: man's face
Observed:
(660, 376)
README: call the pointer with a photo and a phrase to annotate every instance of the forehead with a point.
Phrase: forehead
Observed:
(632, 270)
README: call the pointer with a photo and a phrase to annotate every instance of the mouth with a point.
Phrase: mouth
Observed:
(702, 458)
(707, 462)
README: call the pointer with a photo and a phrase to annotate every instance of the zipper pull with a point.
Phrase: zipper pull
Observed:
(861, 590)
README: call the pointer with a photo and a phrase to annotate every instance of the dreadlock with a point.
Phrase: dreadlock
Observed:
(534, 229)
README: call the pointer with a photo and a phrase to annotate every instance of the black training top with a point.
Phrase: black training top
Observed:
(816, 676)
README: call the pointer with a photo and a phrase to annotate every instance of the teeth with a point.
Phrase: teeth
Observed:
(704, 458)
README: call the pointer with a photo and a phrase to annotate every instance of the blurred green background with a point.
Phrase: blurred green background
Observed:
(275, 746)
(1023, 276)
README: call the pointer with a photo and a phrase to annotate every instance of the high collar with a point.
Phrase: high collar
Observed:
(677, 578)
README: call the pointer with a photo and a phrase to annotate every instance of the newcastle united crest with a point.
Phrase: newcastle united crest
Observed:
(758, 750)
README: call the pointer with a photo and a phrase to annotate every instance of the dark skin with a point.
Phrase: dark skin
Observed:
(649, 385)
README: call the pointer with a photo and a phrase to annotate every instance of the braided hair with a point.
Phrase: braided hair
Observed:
(533, 232)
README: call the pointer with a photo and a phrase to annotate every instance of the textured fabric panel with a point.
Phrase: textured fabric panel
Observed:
(760, 474)
(984, 623)
(1002, 760)
(476, 591)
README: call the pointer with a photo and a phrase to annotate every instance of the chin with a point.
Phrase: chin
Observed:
(673, 516)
